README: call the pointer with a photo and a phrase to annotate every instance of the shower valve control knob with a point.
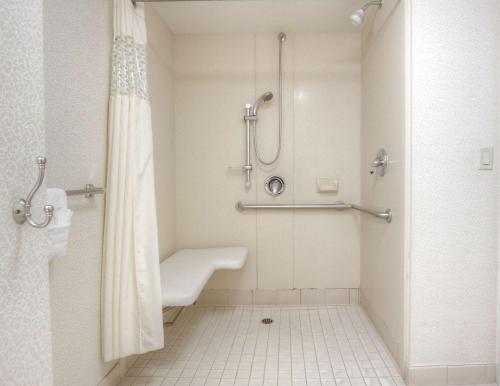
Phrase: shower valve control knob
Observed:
(275, 185)
(380, 163)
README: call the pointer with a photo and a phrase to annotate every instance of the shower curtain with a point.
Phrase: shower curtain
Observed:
(131, 291)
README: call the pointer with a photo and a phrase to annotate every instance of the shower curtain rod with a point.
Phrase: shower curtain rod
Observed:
(161, 1)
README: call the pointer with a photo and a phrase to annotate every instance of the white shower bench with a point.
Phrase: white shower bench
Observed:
(185, 273)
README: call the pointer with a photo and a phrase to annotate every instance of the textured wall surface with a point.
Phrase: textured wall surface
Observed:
(77, 69)
(25, 347)
(454, 218)
(383, 123)
(215, 76)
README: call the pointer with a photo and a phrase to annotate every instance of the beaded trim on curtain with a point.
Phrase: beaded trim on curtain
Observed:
(129, 68)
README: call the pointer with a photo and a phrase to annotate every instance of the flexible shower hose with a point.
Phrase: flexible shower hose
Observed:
(281, 38)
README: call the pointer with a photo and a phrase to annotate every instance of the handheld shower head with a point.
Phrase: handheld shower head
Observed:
(266, 97)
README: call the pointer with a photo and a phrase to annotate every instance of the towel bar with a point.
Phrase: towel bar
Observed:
(88, 191)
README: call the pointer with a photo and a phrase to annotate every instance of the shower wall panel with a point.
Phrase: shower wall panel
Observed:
(383, 123)
(215, 76)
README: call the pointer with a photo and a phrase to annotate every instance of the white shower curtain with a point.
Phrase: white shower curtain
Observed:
(131, 291)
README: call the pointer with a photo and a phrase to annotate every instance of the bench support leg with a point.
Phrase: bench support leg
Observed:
(178, 312)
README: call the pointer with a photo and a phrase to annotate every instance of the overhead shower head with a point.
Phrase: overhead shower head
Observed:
(266, 97)
(358, 16)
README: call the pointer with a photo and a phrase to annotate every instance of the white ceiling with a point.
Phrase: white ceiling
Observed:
(247, 16)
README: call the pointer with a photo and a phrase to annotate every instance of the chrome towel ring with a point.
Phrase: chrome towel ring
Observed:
(22, 208)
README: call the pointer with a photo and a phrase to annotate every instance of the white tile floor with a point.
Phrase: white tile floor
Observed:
(316, 345)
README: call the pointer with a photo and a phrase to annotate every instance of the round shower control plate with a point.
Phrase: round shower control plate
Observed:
(274, 185)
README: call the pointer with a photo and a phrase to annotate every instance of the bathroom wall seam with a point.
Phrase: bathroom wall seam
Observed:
(256, 166)
(498, 237)
(407, 187)
(498, 233)
(174, 128)
(293, 165)
(175, 92)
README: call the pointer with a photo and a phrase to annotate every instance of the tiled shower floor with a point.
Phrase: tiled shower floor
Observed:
(316, 345)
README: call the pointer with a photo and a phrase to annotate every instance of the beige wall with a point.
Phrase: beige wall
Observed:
(215, 76)
(382, 248)
(78, 36)
(161, 91)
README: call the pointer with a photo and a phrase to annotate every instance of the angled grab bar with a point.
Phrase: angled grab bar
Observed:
(340, 205)
(385, 215)
(22, 208)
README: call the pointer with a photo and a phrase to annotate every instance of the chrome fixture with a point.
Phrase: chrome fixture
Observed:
(22, 208)
(380, 163)
(88, 191)
(160, 1)
(247, 168)
(358, 16)
(250, 118)
(339, 205)
(266, 97)
(275, 185)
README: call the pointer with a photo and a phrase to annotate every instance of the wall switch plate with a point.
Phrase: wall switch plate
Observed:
(486, 161)
(328, 184)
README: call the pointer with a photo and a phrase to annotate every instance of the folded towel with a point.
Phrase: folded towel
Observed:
(58, 229)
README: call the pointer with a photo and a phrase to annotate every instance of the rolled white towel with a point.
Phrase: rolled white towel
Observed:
(58, 229)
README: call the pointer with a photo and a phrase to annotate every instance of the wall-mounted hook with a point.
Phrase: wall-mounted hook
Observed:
(22, 208)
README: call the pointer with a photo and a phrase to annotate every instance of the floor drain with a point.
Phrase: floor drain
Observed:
(267, 320)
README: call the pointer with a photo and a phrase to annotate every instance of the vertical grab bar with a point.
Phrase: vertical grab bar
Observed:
(22, 208)
(247, 168)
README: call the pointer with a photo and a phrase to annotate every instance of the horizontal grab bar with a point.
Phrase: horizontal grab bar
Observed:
(386, 215)
(338, 206)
